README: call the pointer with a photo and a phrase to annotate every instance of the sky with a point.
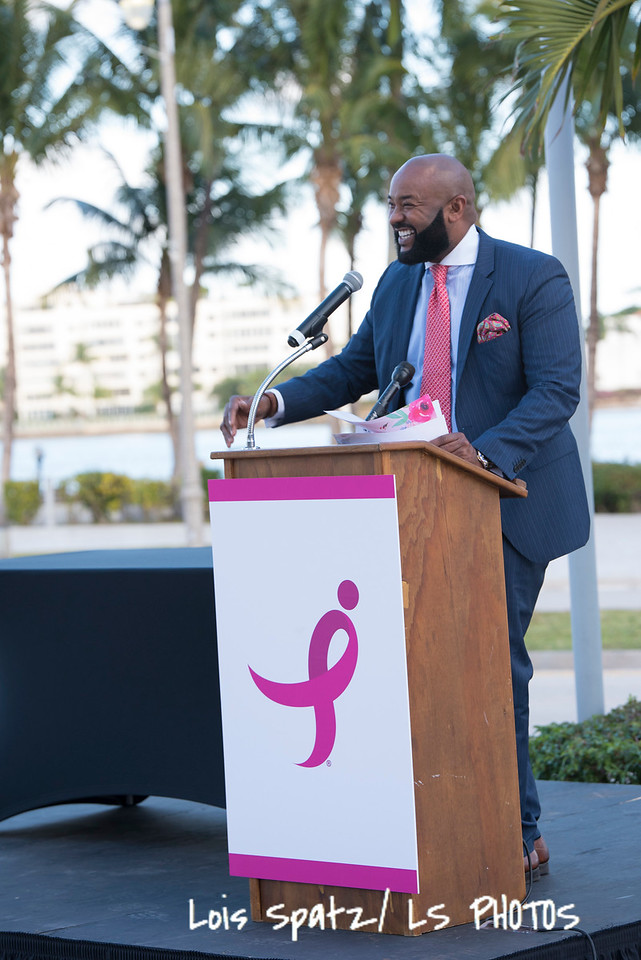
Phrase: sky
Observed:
(51, 243)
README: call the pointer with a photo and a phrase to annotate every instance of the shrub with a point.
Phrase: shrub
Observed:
(22, 499)
(617, 487)
(102, 493)
(155, 498)
(603, 749)
(205, 475)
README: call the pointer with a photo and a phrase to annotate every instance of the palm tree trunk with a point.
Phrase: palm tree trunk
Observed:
(592, 336)
(330, 346)
(167, 392)
(597, 166)
(326, 177)
(163, 295)
(8, 201)
(200, 250)
(534, 183)
(9, 400)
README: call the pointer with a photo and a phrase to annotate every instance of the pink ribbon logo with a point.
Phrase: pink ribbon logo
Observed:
(325, 683)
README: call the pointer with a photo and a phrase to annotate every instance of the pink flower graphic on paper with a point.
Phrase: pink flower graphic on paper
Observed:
(422, 409)
(325, 683)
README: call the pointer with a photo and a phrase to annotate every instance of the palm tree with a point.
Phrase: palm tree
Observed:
(302, 49)
(349, 99)
(553, 37)
(220, 209)
(134, 235)
(598, 142)
(595, 45)
(473, 56)
(384, 115)
(56, 78)
(511, 169)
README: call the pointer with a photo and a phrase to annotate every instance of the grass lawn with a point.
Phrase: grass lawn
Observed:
(620, 630)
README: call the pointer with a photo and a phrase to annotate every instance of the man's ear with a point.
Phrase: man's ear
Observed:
(456, 208)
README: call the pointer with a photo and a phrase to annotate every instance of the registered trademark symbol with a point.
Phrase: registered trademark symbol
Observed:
(328, 762)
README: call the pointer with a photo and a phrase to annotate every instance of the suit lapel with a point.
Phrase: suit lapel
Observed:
(480, 286)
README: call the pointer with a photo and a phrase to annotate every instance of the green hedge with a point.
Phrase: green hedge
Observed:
(208, 473)
(156, 499)
(22, 500)
(103, 494)
(617, 487)
(604, 749)
(107, 494)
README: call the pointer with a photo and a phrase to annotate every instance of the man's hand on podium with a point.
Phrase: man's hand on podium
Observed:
(236, 414)
(459, 445)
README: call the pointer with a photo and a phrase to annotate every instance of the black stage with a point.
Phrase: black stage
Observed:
(88, 882)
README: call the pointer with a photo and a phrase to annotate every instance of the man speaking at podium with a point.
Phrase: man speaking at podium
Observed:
(492, 332)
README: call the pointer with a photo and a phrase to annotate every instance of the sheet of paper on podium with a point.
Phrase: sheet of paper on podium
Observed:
(420, 420)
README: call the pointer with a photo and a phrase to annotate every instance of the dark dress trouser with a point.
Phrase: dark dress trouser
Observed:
(523, 581)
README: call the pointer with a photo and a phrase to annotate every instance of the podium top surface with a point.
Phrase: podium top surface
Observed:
(506, 488)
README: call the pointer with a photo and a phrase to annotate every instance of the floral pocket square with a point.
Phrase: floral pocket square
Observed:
(492, 327)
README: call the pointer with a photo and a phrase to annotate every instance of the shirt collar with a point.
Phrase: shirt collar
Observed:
(465, 251)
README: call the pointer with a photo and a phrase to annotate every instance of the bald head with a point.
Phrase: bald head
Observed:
(431, 196)
(444, 177)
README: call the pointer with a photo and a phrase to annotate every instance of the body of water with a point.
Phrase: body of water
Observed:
(616, 437)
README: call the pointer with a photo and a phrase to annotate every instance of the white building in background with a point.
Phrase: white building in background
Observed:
(85, 356)
(238, 334)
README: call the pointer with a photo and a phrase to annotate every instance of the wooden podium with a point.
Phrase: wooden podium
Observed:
(460, 694)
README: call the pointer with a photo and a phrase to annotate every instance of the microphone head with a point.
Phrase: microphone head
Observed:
(403, 373)
(354, 280)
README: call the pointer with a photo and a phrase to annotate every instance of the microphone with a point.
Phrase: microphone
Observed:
(314, 323)
(401, 376)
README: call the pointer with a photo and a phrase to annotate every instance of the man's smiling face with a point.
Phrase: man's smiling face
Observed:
(416, 216)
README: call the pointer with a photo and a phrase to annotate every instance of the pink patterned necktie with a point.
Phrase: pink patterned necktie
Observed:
(437, 366)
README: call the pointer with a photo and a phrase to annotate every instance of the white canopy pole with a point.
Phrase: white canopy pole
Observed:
(584, 601)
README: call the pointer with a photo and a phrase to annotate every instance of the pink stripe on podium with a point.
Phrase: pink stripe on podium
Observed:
(302, 488)
(324, 873)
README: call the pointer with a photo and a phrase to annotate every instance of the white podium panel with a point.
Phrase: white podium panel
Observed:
(311, 641)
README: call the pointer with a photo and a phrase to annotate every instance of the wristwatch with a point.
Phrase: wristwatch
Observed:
(485, 463)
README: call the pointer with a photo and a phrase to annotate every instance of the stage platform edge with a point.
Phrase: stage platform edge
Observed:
(84, 882)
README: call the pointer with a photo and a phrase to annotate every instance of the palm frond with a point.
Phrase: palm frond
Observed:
(105, 262)
(552, 35)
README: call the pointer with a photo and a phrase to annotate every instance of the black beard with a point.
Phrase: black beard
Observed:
(429, 244)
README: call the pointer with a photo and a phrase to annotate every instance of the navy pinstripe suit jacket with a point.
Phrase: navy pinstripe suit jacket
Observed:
(514, 393)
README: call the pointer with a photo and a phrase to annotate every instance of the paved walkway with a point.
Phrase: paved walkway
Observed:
(553, 695)
(618, 560)
(617, 539)
(553, 687)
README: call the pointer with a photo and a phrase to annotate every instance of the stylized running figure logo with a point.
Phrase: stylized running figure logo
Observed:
(324, 684)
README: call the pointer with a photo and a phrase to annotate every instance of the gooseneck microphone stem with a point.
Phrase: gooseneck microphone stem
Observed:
(312, 344)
